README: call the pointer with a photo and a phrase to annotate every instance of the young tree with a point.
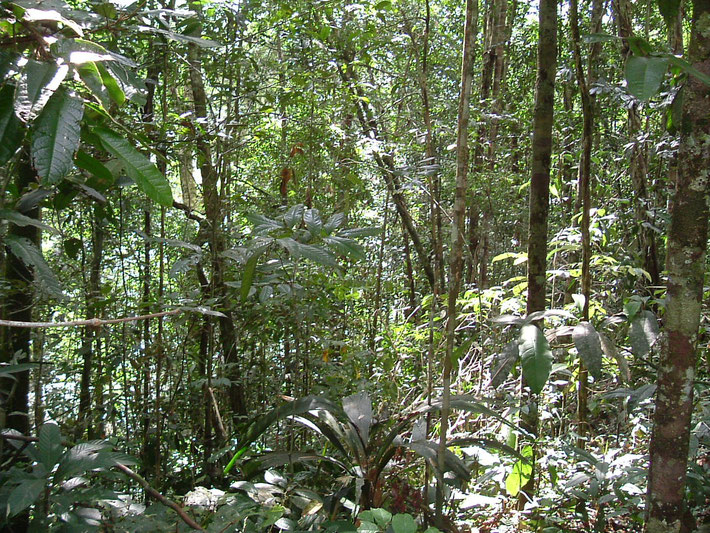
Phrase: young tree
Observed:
(540, 183)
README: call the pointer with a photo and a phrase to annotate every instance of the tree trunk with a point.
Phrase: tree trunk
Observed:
(687, 243)
(457, 236)
(638, 165)
(543, 119)
(18, 306)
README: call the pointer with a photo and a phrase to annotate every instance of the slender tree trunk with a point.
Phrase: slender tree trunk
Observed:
(686, 256)
(214, 215)
(583, 82)
(638, 165)
(457, 235)
(85, 424)
(543, 119)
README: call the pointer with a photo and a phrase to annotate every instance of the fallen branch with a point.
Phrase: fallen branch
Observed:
(130, 473)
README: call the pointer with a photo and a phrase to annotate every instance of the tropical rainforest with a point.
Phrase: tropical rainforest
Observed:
(354, 266)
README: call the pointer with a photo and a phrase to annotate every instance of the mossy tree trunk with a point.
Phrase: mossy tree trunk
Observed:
(685, 262)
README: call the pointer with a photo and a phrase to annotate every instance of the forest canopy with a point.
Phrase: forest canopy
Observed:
(354, 266)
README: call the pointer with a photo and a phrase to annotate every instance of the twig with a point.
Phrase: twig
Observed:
(95, 322)
(130, 473)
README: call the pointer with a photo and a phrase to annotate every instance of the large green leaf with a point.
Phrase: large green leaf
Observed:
(536, 357)
(138, 167)
(643, 334)
(56, 137)
(644, 75)
(297, 407)
(359, 410)
(520, 475)
(11, 130)
(38, 81)
(25, 250)
(589, 347)
(403, 523)
(24, 495)
(346, 246)
(503, 364)
(50, 445)
(23, 220)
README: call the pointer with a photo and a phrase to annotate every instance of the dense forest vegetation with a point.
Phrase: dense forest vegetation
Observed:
(363, 266)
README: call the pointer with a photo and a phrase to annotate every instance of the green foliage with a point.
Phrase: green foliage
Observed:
(58, 482)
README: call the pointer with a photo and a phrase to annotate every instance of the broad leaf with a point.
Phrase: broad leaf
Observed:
(95, 167)
(24, 495)
(522, 471)
(346, 247)
(643, 334)
(334, 222)
(38, 81)
(612, 353)
(297, 407)
(90, 75)
(25, 250)
(50, 447)
(313, 222)
(644, 75)
(359, 410)
(248, 277)
(503, 363)
(23, 220)
(536, 357)
(294, 216)
(138, 167)
(381, 517)
(403, 523)
(56, 137)
(11, 129)
(589, 348)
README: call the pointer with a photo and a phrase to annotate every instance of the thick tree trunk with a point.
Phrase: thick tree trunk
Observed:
(687, 243)
(543, 119)
(457, 235)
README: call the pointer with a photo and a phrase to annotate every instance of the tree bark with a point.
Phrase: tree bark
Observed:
(543, 118)
(686, 255)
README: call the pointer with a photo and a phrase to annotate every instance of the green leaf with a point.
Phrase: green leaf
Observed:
(248, 277)
(90, 75)
(589, 347)
(56, 137)
(11, 130)
(114, 89)
(346, 246)
(313, 222)
(360, 232)
(204, 43)
(26, 251)
(688, 68)
(23, 220)
(643, 334)
(403, 523)
(95, 167)
(38, 81)
(24, 495)
(318, 255)
(381, 517)
(520, 475)
(536, 357)
(293, 216)
(50, 447)
(257, 427)
(334, 222)
(503, 364)
(359, 410)
(644, 75)
(138, 167)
